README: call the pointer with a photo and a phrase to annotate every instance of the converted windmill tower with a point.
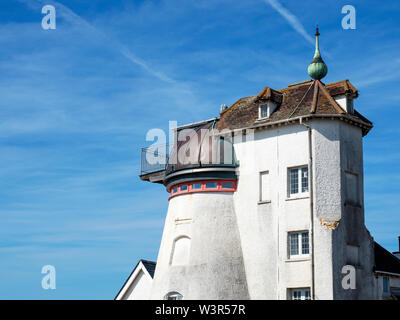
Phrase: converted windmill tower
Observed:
(266, 201)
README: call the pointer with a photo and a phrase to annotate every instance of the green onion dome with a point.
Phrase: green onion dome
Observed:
(317, 69)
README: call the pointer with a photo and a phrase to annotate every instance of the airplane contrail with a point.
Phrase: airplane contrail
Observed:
(291, 19)
(74, 18)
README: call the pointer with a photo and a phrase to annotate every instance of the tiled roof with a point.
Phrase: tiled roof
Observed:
(304, 99)
(385, 261)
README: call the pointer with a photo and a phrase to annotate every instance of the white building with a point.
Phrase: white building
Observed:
(138, 284)
(269, 202)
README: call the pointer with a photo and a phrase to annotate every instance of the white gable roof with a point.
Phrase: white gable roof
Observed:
(138, 284)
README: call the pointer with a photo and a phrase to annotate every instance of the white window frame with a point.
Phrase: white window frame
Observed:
(300, 192)
(270, 108)
(302, 293)
(300, 253)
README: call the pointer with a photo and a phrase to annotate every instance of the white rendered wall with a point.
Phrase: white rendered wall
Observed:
(339, 223)
(214, 268)
(263, 227)
(140, 289)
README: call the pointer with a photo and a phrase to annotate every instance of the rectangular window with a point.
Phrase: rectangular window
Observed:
(264, 186)
(196, 186)
(264, 111)
(300, 294)
(227, 185)
(298, 180)
(352, 254)
(184, 187)
(175, 190)
(352, 194)
(385, 284)
(305, 247)
(304, 179)
(294, 244)
(298, 244)
(211, 185)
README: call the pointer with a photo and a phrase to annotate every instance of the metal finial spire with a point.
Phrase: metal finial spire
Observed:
(316, 32)
(317, 68)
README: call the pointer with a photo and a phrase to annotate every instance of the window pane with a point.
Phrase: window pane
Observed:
(175, 190)
(385, 284)
(307, 294)
(196, 186)
(351, 188)
(296, 295)
(294, 181)
(211, 185)
(264, 111)
(305, 248)
(227, 185)
(304, 179)
(184, 187)
(294, 244)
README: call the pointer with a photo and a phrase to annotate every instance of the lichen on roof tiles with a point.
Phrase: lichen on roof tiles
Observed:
(293, 101)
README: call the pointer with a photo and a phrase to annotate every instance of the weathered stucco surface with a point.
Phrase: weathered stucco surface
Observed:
(215, 269)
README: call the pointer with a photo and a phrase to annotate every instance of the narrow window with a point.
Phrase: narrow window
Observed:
(305, 248)
(175, 190)
(352, 255)
(180, 251)
(227, 185)
(264, 186)
(211, 185)
(298, 180)
(385, 281)
(299, 244)
(196, 186)
(294, 244)
(264, 111)
(352, 194)
(304, 179)
(294, 181)
(300, 294)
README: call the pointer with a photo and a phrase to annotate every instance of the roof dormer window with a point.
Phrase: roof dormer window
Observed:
(345, 102)
(350, 105)
(265, 110)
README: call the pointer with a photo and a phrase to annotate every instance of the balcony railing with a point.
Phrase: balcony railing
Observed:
(157, 157)
(153, 159)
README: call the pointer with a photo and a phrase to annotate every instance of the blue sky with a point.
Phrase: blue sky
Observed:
(76, 103)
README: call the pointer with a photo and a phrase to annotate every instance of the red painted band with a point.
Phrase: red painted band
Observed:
(203, 186)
